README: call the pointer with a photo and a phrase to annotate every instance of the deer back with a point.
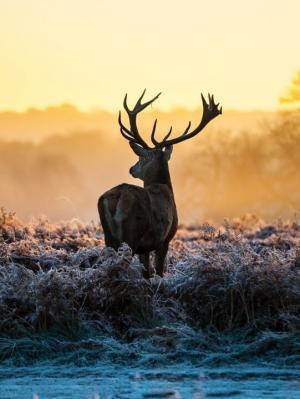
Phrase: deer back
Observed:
(142, 217)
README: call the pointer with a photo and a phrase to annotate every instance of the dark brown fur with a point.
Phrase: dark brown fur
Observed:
(144, 218)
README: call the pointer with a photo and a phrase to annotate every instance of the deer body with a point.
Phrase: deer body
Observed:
(143, 217)
(146, 217)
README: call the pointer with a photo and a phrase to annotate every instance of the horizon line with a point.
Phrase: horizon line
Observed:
(95, 109)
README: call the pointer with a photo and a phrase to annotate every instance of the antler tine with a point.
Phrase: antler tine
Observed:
(125, 104)
(154, 141)
(122, 126)
(168, 134)
(150, 101)
(129, 138)
(204, 103)
(187, 129)
(139, 101)
(124, 131)
(139, 106)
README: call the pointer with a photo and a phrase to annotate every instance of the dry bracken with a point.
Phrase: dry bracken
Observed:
(60, 276)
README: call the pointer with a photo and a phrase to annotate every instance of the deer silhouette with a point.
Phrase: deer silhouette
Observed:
(146, 217)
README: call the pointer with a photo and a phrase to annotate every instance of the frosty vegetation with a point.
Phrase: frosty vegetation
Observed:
(61, 277)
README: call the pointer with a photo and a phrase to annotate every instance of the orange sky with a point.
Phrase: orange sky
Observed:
(91, 52)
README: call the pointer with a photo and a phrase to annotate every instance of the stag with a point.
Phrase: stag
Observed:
(146, 217)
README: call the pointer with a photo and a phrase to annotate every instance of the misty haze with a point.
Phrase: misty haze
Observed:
(58, 161)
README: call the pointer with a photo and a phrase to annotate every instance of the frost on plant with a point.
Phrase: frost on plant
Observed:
(61, 276)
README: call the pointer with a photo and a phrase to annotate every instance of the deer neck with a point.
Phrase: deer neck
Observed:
(160, 176)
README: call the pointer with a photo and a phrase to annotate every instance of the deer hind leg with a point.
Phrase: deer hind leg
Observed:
(107, 224)
(160, 259)
(145, 260)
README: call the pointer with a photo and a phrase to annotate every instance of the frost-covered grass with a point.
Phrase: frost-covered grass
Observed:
(60, 279)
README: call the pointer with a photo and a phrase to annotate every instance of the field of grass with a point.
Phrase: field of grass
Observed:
(61, 276)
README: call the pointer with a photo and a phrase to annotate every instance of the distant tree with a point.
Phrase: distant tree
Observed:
(293, 94)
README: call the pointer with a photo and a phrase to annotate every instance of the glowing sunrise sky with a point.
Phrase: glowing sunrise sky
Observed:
(90, 52)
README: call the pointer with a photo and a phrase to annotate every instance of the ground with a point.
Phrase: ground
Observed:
(231, 295)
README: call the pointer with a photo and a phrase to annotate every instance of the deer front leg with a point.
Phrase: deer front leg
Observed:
(160, 257)
(144, 259)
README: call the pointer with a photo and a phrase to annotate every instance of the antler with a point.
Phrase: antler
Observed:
(132, 134)
(210, 111)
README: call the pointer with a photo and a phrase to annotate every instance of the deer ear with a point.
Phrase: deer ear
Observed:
(168, 151)
(138, 150)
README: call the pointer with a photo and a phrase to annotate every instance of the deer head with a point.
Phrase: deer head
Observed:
(150, 162)
(152, 159)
